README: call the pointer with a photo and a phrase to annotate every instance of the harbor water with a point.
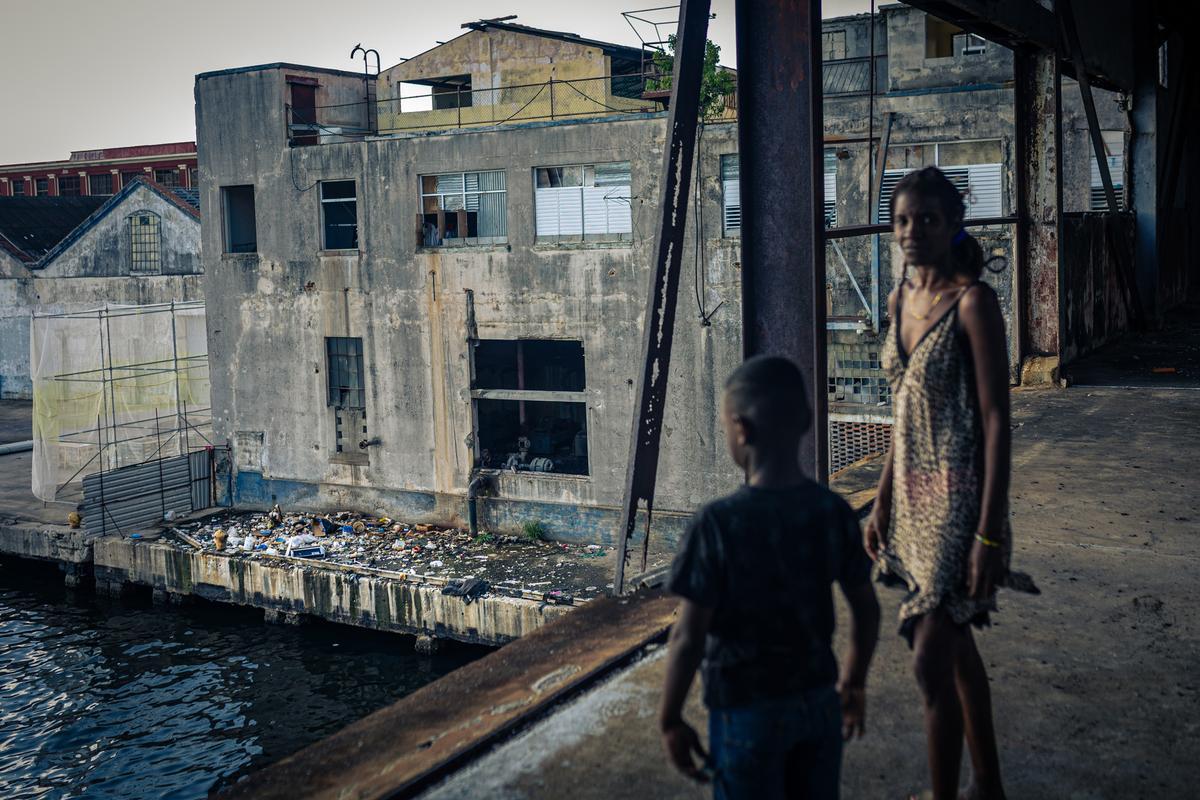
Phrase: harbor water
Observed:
(125, 699)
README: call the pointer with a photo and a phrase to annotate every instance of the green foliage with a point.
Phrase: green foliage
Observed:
(485, 538)
(715, 83)
(533, 530)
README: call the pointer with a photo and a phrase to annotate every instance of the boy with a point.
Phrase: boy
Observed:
(754, 572)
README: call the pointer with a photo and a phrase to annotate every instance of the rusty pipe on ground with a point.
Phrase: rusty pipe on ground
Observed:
(477, 484)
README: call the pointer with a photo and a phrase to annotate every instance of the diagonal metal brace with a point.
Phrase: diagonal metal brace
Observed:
(659, 322)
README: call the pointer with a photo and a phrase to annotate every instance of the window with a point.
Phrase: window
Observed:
(303, 127)
(344, 372)
(969, 44)
(100, 184)
(452, 92)
(530, 407)
(194, 178)
(589, 202)
(339, 215)
(68, 186)
(1114, 147)
(463, 208)
(144, 242)
(18, 187)
(974, 167)
(731, 193)
(240, 230)
(166, 177)
(939, 37)
(129, 177)
(41, 186)
(833, 45)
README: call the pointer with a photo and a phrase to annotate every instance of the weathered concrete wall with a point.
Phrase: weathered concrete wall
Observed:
(93, 269)
(910, 70)
(347, 597)
(269, 315)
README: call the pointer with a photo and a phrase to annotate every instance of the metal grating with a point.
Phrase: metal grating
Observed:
(850, 442)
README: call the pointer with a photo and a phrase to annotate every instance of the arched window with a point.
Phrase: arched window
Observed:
(145, 240)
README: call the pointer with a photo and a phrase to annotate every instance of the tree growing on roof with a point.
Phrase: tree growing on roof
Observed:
(716, 82)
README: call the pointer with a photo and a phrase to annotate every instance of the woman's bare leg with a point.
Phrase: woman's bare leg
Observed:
(975, 696)
(935, 644)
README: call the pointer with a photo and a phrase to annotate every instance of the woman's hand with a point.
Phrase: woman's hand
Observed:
(875, 534)
(985, 570)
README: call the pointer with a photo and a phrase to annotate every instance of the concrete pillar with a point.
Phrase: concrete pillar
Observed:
(1143, 168)
(1038, 98)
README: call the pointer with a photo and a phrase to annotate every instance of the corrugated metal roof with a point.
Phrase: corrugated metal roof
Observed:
(37, 224)
(189, 196)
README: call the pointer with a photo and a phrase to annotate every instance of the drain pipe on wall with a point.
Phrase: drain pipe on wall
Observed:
(479, 483)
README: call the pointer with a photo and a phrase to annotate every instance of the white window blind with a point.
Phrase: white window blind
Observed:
(731, 195)
(1116, 168)
(982, 187)
(583, 201)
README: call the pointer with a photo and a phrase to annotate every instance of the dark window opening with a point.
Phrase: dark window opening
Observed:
(452, 92)
(533, 436)
(539, 429)
(626, 78)
(533, 365)
(194, 178)
(129, 177)
(241, 234)
(18, 187)
(939, 37)
(344, 372)
(41, 186)
(68, 186)
(100, 184)
(167, 177)
(339, 215)
(304, 113)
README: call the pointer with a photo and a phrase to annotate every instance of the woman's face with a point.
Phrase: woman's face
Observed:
(922, 229)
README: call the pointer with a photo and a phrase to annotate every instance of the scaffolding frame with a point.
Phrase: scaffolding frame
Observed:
(136, 422)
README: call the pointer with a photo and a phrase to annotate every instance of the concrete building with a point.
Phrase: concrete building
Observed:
(417, 301)
(102, 172)
(67, 254)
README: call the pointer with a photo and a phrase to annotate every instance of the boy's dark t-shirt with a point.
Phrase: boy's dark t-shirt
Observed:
(764, 560)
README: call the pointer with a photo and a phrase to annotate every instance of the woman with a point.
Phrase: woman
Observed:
(940, 523)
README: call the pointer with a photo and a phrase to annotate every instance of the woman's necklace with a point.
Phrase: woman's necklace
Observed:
(937, 298)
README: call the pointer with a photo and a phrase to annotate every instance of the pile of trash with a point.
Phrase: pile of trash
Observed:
(519, 564)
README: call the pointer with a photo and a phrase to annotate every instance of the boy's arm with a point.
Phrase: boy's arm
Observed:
(864, 632)
(686, 651)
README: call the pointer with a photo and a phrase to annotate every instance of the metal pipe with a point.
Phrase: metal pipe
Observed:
(780, 146)
(477, 484)
(16, 447)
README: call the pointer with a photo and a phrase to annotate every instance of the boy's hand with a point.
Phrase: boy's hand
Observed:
(854, 710)
(681, 742)
(875, 536)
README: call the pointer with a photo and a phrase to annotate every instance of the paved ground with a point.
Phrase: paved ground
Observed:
(1095, 680)
(1168, 357)
(16, 421)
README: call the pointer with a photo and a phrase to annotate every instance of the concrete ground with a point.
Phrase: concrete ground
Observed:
(16, 421)
(17, 503)
(1095, 681)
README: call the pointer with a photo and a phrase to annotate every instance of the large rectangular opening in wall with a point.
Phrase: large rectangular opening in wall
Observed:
(463, 208)
(344, 372)
(339, 216)
(584, 202)
(241, 234)
(530, 405)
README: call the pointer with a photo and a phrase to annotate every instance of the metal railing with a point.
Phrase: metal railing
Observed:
(443, 108)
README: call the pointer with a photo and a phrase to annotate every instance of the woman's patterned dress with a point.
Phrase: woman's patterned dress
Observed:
(937, 475)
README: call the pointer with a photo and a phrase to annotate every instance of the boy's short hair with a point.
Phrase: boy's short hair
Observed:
(770, 392)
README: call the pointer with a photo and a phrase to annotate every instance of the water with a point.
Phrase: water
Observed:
(127, 700)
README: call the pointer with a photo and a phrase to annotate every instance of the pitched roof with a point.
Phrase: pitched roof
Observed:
(610, 48)
(28, 235)
(34, 225)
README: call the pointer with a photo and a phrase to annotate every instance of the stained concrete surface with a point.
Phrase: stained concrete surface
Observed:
(16, 421)
(1094, 683)
(1168, 357)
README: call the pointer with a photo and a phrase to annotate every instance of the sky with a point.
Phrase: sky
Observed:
(87, 74)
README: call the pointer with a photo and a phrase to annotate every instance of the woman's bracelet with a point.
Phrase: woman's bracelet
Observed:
(979, 537)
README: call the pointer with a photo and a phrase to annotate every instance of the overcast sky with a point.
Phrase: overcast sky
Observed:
(86, 74)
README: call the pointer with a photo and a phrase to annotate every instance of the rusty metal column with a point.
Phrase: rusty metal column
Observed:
(1038, 112)
(658, 327)
(780, 145)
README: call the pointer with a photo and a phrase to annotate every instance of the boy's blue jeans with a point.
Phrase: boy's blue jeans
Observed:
(787, 747)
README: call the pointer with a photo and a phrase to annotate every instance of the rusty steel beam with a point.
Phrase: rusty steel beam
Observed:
(659, 322)
(780, 156)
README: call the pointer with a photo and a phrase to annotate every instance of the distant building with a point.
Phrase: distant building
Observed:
(442, 272)
(101, 173)
(59, 254)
